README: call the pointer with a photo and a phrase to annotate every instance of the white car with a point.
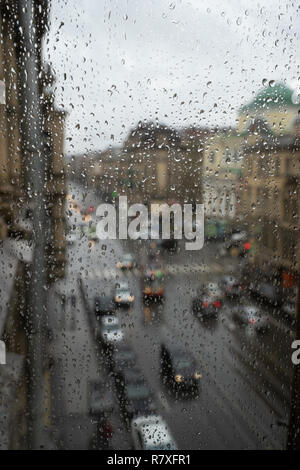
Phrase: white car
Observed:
(123, 295)
(151, 433)
(111, 332)
(239, 236)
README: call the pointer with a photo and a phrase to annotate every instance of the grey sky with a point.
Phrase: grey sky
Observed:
(181, 62)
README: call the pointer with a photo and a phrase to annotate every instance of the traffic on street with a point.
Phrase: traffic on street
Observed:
(204, 357)
(149, 228)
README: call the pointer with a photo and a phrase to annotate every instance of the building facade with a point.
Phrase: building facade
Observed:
(155, 164)
(14, 203)
(222, 171)
(15, 207)
(270, 205)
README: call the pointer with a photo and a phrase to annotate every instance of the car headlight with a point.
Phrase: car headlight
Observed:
(131, 298)
(197, 376)
(119, 264)
(118, 299)
(178, 378)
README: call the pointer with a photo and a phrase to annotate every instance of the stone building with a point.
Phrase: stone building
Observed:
(270, 199)
(14, 204)
(222, 170)
(15, 213)
(155, 164)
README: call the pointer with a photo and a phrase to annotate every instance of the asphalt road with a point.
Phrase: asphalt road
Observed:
(243, 400)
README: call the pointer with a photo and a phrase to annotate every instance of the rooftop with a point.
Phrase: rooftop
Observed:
(274, 96)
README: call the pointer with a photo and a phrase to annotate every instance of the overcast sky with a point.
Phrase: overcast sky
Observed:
(180, 62)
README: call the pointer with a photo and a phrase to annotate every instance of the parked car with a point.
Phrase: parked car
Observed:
(123, 295)
(208, 301)
(101, 398)
(104, 305)
(178, 369)
(266, 291)
(250, 315)
(123, 358)
(110, 331)
(151, 433)
(134, 394)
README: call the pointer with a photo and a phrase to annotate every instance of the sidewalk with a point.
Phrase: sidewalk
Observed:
(76, 362)
(11, 371)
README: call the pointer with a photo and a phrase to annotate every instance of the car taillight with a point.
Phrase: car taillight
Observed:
(252, 321)
(217, 304)
(205, 304)
(247, 246)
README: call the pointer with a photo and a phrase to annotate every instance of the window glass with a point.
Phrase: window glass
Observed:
(149, 203)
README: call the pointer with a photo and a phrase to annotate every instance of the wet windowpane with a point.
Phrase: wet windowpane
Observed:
(149, 225)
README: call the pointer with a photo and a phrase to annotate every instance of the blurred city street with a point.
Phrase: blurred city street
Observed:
(241, 404)
(149, 226)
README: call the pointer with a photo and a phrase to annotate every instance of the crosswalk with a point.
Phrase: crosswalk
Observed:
(172, 270)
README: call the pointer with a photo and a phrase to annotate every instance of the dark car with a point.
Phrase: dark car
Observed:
(153, 288)
(178, 369)
(104, 305)
(251, 316)
(208, 301)
(267, 292)
(231, 286)
(100, 398)
(134, 394)
(124, 358)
